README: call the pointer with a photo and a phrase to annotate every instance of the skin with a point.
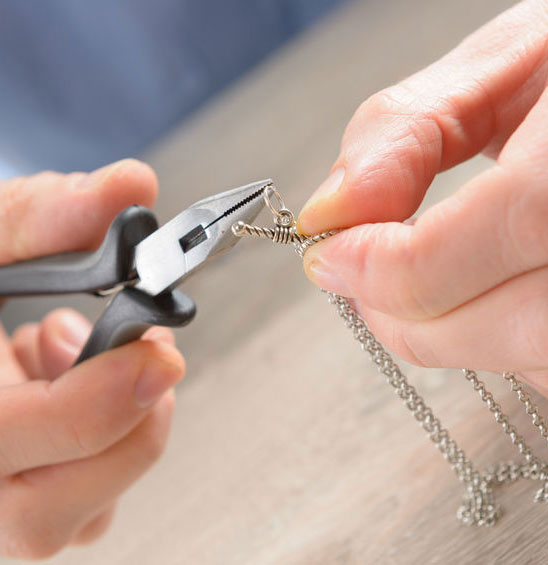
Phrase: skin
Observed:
(465, 284)
(73, 439)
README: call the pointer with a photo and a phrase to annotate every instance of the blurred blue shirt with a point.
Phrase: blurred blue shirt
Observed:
(85, 83)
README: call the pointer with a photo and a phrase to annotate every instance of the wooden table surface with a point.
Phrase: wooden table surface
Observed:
(287, 447)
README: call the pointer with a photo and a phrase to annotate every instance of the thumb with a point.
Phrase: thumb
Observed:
(469, 101)
(353, 263)
(52, 212)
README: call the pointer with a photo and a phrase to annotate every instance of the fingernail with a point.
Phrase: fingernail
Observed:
(156, 377)
(323, 276)
(329, 186)
(91, 180)
(73, 330)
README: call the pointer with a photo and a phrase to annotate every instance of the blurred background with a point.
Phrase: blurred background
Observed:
(286, 446)
(86, 83)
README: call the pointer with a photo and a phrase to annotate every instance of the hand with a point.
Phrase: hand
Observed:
(73, 439)
(466, 285)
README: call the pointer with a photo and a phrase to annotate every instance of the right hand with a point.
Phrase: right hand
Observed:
(466, 284)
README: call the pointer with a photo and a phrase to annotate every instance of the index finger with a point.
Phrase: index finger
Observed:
(469, 101)
(53, 212)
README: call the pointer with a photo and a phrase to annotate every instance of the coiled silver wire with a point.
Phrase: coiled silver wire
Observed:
(279, 234)
(282, 234)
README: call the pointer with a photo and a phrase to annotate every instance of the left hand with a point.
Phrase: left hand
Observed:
(73, 439)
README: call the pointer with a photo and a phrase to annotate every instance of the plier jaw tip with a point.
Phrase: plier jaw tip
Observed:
(195, 236)
(241, 204)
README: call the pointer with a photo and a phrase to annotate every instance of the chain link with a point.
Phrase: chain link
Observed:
(479, 507)
(531, 409)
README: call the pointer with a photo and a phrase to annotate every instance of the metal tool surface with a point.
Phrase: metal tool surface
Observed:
(195, 236)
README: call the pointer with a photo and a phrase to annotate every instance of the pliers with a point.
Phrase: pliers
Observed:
(140, 264)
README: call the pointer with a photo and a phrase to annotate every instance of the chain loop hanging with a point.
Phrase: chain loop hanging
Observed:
(479, 507)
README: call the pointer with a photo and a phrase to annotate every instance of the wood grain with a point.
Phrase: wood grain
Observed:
(287, 446)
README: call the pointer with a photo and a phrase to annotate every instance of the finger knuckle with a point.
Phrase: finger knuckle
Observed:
(382, 103)
(406, 157)
(32, 533)
(408, 295)
(85, 440)
(400, 337)
(523, 227)
(408, 346)
(391, 280)
(392, 101)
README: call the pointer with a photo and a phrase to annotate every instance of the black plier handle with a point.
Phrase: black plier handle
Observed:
(130, 312)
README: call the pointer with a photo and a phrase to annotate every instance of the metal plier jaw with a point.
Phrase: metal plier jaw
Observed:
(202, 232)
(141, 264)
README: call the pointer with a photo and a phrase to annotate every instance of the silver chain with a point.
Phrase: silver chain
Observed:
(479, 507)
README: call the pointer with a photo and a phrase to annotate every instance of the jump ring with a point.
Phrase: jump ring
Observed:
(270, 191)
